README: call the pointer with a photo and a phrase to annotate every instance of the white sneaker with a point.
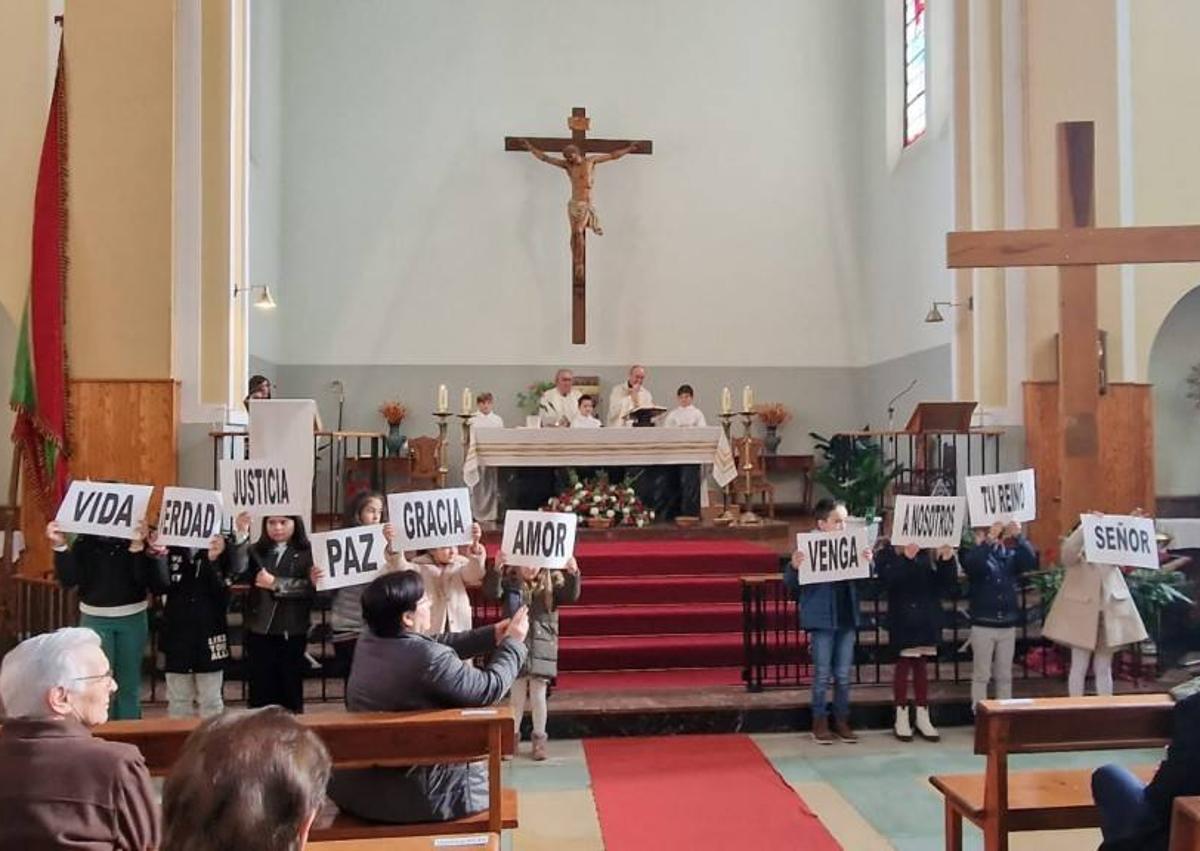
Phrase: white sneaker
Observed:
(925, 726)
(903, 728)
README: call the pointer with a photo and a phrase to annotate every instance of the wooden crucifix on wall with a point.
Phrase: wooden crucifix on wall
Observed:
(580, 155)
(1077, 247)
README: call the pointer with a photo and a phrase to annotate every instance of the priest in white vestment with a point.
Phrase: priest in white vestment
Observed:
(627, 397)
(485, 494)
(560, 404)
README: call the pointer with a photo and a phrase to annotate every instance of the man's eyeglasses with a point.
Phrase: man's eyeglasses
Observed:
(107, 675)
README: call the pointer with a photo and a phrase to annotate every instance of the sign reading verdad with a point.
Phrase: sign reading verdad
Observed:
(349, 556)
(833, 556)
(423, 519)
(100, 508)
(189, 517)
(539, 538)
(1119, 539)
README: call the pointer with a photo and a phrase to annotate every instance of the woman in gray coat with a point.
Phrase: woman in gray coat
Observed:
(399, 668)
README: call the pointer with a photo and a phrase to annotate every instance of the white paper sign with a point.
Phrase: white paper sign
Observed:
(189, 517)
(263, 486)
(422, 519)
(100, 508)
(539, 538)
(833, 556)
(928, 521)
(1119, 539)
(349, 556)
(1002, 497)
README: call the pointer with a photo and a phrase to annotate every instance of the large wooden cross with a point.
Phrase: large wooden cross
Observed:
(578, 124)
(1077, 247)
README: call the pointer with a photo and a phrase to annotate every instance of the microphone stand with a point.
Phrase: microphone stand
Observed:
(891, 410)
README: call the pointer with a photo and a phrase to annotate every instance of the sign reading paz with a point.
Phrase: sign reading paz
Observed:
(349, 556)
(189, 517)
(99, 508)
(833, 556)
(928, 521)
(262, 486)
(1002, 497)
(422, 519)
(539, 538)
(1119, 539)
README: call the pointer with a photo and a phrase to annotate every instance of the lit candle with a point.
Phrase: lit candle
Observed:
(443, 399)
(747, 399)
(467, 400)
(726, 401)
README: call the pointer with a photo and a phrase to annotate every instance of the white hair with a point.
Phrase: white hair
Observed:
(38, 664)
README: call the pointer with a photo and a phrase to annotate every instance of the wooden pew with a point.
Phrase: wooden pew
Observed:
(1000, 802)
(1185, 825)
(363, 739)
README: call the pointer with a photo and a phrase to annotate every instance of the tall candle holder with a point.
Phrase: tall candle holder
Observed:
(748, 517)
(443, 428)
(727, 516)
(465, 420)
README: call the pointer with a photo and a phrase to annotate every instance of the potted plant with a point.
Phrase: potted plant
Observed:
(394, 413)
(529, 400)
(772, 415)
(854, 470)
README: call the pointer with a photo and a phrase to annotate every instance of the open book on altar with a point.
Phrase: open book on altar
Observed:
(644, 416)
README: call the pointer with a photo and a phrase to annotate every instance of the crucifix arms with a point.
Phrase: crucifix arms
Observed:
(573, 155)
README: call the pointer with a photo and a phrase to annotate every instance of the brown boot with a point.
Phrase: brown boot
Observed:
(539, 746)
(841, 726)
(820, 731)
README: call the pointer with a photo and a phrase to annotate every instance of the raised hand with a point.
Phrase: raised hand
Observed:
(263, 579)
(57, 538)
(911, 551)
(241, 524)
(215, 547)
(389, 533)
(138, 542)
(798, 559)
(518, 625)
(315, 575)
(995, 531)
(1012, 529)
(501, 559)
(572, 566)
(945, 553)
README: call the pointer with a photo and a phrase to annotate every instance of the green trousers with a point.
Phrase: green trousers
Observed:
(124, 643)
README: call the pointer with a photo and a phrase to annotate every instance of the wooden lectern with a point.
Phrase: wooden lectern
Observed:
(941, 416)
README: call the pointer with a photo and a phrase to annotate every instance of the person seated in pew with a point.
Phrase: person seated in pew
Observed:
(587, 413)
(59, 785)
(251, 778)
(397, 668)
(1137, 817)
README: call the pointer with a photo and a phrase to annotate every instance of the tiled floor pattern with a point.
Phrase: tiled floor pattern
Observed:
(872, 796)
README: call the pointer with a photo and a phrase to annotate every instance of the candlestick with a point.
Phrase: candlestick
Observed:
(443, 400)
(465, 419)
(748, 517)
(726, 401)
(442, 416)
(747, 399)
(468, 401)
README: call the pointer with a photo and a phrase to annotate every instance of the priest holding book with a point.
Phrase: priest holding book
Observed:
(628, 397)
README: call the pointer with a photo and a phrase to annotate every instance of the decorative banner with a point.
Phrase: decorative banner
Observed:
(1119, 539)
(928, 521)
(423, 519)
(1002, 497)
(539, 538)
(262, 487)
(834, 556)
(100, 508)
(349, 556)
(190, 517)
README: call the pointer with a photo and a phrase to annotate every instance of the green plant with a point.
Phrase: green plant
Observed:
(1153, 592)
(529, 400)
(855, 471)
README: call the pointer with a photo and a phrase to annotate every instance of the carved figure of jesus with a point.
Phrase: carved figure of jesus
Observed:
(580, 212)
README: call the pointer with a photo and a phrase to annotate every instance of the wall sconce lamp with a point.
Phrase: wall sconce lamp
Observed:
(264, 300)
(935, 315)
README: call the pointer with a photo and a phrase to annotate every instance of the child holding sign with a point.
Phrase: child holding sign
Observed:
(1093, 614)
(277, 612)
(447, 575)
(915, 583)
(112, 576)
(542, 591)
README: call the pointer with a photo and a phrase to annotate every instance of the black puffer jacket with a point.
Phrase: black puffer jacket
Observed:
(105, 571)
(915, 590)
(284, 609)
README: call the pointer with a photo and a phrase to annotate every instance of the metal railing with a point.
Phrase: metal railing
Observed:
(42, 605)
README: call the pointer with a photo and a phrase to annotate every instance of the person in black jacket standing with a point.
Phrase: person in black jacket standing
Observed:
(277, 612)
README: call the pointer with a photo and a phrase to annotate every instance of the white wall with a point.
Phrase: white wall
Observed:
(266, 167)
(1175, 351)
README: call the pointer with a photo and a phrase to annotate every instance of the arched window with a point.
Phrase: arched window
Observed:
(914, 70)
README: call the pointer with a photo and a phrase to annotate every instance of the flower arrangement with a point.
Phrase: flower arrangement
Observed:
(393, 411)
(529, 399)
(598, 498)
(773, 414)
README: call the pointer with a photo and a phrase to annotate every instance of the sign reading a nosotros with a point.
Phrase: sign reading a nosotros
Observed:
(1119, 539)
(833, 556)
(100, 508)
(539, 538)
(349, 556)
(1002, 497)
(189, 517)
(928, 521)
(262, 486)
(422, 519)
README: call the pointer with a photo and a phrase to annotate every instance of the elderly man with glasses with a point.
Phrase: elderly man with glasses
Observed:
(560, 404)
(59, 785)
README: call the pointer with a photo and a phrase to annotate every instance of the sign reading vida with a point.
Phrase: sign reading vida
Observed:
(833, 556)
(422, 519)
(539, 538)
(928, 521)
(262, 486)
(1119, 539)
(189, 517)
(100, 508)
(349, 556)
(1002, 497)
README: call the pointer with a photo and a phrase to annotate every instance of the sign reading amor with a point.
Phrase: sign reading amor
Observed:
(189, 517)
(928, 521)
(833, 556)
(100, 508)
(440, 518)
(262, 486)
(1002, 497)
(1119, 539)
(349, 556)
(539, 538)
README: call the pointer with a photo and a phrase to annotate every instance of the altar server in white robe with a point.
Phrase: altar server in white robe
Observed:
(484, 496)
(560, 404)
(586, 418)
(686, 415)
(628, 396)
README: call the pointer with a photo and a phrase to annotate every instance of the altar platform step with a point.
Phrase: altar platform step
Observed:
(776, 534)
(639, 652)
(653, 619)
(610, 590)
(666, 557)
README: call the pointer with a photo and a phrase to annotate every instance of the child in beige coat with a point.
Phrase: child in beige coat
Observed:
(448, 574)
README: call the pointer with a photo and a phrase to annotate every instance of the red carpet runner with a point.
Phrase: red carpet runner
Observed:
(717, 793)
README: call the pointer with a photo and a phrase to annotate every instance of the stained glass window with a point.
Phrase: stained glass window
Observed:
(914, 70)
